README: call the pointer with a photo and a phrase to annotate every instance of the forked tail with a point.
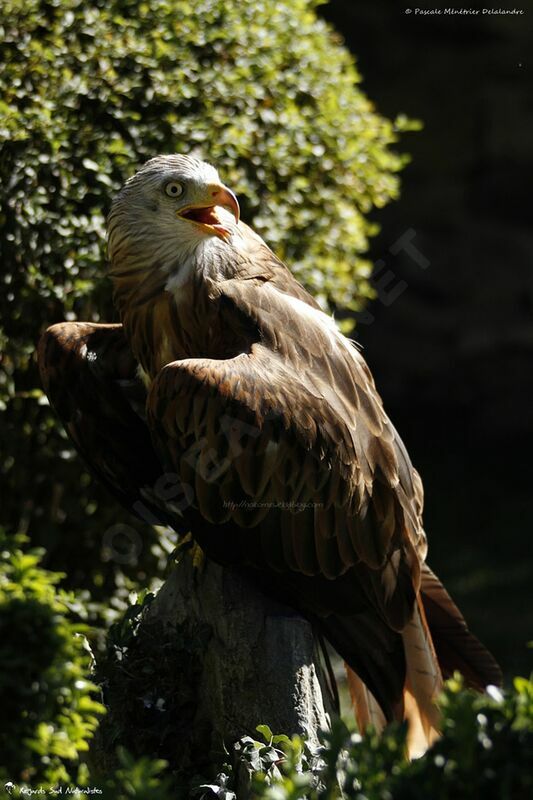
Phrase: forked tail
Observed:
(436, 642)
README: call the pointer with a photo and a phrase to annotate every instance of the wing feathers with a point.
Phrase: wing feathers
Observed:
(90, 377)
(319, 436)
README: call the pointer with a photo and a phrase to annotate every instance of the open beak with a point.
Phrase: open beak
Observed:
(205, 213)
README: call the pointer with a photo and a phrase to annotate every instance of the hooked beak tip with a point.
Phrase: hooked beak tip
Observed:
(225, 197)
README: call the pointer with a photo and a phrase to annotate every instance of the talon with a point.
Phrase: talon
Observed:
(187, 544)
(184, 543)
(198, 558)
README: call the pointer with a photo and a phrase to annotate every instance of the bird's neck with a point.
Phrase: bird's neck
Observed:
(170, 308)
(164, 325)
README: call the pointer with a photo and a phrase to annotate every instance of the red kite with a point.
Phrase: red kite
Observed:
(229, 404)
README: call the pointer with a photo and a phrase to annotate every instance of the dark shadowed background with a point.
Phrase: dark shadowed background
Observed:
(450, 342)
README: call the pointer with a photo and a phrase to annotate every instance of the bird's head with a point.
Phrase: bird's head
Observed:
(167, 209)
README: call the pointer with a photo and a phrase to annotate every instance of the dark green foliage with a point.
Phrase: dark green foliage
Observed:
(485, 752)
(88, 91)
(49, 711)
(48, 703)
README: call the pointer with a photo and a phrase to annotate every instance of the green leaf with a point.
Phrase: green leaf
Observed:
(265, 732)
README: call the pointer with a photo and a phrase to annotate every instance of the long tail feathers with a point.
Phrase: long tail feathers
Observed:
(457, 648)
(366, 707)
(423, 683)
(436, 642)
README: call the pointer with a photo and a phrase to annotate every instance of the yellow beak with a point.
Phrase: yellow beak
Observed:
(204, 212)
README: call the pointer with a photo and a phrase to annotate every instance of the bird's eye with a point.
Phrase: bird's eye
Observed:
(174, 189)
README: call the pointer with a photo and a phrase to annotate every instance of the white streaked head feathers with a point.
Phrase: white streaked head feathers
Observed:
(144, 230)
(157, 171)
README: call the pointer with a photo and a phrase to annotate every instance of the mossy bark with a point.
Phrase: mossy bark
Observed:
(211, 659)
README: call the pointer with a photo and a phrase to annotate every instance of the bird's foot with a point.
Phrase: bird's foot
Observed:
(188, 545)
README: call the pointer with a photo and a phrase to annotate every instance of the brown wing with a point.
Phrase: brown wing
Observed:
(90, 377)
(294, 424)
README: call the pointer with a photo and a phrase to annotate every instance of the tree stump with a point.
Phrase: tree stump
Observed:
(212, 658)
